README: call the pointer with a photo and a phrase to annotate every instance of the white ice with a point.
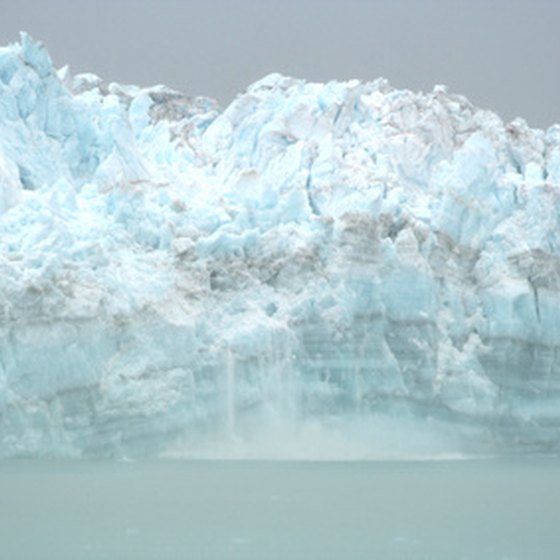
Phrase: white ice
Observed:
(341, 256)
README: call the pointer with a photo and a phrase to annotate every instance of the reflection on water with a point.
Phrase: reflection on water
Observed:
(216, 510)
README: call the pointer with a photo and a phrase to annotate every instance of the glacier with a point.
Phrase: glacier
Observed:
(317, 270)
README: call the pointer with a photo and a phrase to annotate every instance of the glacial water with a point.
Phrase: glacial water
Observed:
(492, 509)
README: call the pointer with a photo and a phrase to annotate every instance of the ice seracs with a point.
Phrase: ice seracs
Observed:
(376, 265)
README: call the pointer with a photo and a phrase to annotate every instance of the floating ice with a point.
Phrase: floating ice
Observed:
(345, 265)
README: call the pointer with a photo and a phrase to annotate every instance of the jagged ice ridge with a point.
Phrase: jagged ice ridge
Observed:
(340, 269)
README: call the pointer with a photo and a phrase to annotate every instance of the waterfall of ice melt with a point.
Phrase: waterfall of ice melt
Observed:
(318, 270)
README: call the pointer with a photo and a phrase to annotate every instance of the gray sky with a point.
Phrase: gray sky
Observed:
(502, 54)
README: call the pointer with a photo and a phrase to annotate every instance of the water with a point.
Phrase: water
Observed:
(219, 510)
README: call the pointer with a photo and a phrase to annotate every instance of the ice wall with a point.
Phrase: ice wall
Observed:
(341, 269)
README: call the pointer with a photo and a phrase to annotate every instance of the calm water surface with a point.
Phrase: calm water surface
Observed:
(218, 510)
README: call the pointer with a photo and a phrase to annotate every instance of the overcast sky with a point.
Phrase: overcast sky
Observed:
(502, 54)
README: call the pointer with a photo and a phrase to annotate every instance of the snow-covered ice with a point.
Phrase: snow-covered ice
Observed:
(341, 258)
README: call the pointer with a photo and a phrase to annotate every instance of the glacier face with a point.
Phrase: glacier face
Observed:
(338, 269)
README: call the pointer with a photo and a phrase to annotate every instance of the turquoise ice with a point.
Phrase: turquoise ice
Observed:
(338, 270)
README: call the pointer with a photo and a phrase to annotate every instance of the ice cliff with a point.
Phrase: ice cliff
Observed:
(347, 259)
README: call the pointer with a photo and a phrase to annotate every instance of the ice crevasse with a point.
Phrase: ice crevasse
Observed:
(340, 268)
